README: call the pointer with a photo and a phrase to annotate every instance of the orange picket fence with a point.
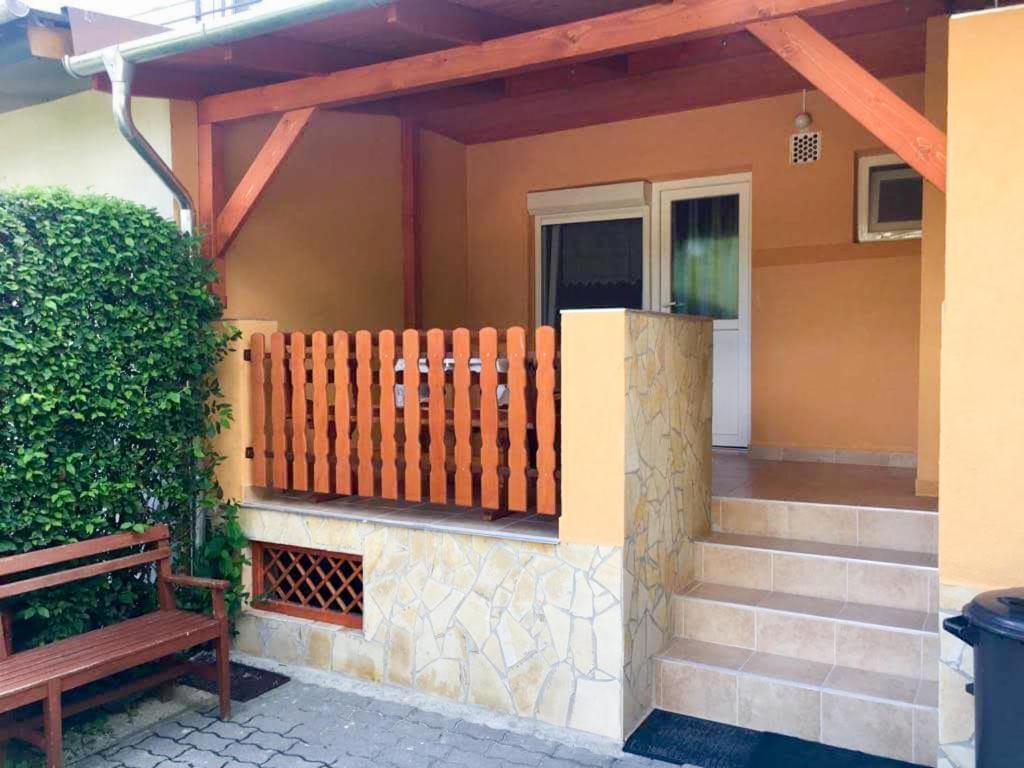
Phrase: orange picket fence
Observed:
(451, 417)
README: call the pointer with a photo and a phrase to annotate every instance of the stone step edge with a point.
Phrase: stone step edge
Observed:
(825, 504)
(847, 557)
(666, 658)
(801, 614)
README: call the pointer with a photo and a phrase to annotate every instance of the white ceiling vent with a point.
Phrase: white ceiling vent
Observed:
(805, 147)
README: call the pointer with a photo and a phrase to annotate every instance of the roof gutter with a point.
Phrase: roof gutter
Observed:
(221, 31)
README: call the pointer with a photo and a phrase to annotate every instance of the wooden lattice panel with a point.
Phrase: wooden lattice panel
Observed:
(310, 583)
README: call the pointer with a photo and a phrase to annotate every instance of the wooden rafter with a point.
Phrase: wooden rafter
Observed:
(411, 270)
(211, 198)
(871, 103)
(593, 38)
(448, 22)
(267, 163)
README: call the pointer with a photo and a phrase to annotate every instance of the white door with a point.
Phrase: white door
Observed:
(701, 233)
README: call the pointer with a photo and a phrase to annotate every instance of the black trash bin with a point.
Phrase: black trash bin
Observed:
(993, 624)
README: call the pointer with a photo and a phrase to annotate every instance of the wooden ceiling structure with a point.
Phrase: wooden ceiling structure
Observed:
(484, 70)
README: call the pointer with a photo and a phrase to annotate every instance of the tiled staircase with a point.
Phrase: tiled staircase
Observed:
(813, 620)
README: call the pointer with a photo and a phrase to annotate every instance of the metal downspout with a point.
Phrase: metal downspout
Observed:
(120, 72)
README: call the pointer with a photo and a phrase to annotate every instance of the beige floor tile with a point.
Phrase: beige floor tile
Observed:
(875, 684)
(926, 736)
(899, 618)
(878, 650)
(787, 668)
(816, 522)
(812, 606)
(917, 531)
(868, 726)
(737, 566)
(715, 622)
(698, 692)
(728, 594)
(770, 705)
(956, 707)
(887, 585)
(809, 576)
(711, 654)
(927, 694)
(930, 657)
(760, 518)
(800, 637)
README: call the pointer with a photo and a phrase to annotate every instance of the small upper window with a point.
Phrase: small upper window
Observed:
(889, 198)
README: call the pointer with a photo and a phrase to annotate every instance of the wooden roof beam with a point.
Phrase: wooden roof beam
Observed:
(593, 38)
(866, 99)
(264, 167)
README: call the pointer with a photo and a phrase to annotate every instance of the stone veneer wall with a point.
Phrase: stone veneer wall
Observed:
(956, 670)
(668, 484)
(528, 629)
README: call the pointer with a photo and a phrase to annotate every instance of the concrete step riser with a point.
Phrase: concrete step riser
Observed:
(885, 728)
(824, 640)
(832, 578)
(829, 523)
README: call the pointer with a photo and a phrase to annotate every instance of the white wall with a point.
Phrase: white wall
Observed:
(73, 142)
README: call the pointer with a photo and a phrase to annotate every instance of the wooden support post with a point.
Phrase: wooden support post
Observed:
(412, 298)
(211, 199)
(868, 101)
(266, 164)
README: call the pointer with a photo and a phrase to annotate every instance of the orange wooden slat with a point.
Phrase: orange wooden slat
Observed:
(547, 503)
(515, 342)
(364, 411)
(463, 417)
(489, 490)
(388, 452)
(300, 466)
(342, 416)
(278, 411)
(321, 443)
(436, 416)
(258, 408)
(411, 414)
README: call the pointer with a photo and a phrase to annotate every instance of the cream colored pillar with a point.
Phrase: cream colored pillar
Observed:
(234, 473)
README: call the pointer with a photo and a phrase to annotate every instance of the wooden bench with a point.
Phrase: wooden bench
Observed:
(43, 674)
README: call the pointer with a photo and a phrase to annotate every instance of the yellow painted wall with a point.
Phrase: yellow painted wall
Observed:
(323, 246)
(981, 526)
(834, 325)
(933, 256)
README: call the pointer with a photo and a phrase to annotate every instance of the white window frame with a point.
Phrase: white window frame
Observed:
(867, 204)
(605, 202)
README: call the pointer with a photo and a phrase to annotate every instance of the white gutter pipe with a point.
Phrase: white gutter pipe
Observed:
(11, 10)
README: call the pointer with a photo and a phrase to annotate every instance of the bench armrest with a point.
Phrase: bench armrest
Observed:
(217, 586)
(183, 580)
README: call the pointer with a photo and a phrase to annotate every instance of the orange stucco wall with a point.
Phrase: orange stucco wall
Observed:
(834, 324)
(323, 246)
(981, 528)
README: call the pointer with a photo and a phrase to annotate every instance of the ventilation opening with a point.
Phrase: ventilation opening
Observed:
(309, 583)
(805, 147)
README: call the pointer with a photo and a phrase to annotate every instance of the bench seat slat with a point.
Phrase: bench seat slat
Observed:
(102, 652)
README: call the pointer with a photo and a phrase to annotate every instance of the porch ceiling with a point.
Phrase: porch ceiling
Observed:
(885, 37)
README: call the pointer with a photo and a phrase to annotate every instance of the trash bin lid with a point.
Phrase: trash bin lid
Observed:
(1000, 612)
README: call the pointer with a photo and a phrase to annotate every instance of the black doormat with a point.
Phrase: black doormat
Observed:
(680, 739)
(246, 682)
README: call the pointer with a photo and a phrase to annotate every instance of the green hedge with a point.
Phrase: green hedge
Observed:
(107, 391)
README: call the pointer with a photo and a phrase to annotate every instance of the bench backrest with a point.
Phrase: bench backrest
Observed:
(157, 547)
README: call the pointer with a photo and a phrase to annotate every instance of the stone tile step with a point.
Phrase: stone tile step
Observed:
(886, 715)
(869, 637)
(875, 527)
(888, 578)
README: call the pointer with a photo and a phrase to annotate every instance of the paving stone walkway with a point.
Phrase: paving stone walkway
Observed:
(308, 726)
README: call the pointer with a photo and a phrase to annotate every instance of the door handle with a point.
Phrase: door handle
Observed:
(670, 305)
